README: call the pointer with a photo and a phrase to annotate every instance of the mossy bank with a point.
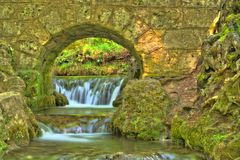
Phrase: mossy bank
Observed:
(213, 126)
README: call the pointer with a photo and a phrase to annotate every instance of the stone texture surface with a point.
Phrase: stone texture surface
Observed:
(17, 122)
(212, 123)
(39, 20)
(164, 36)
(142, 110)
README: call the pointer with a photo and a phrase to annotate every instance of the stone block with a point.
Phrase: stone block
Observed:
(198, 17)
(6, 11)
(184, 38)
(150, 41)
(103, 14)
(166, 17)
(165, 3)
(52, 22)
(121, 18)
(170, 63)
(201, 3)
(27, 62)
(113, 2)
(12, 27)
(28, 44)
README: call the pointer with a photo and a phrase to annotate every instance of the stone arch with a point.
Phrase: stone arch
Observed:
(62, 39)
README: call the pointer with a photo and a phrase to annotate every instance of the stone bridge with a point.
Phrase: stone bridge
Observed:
(164, 35)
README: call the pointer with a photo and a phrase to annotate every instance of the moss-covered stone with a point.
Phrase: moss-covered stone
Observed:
(3, 146)
(31, 78)
(213, 126)
(143, 109)
(202, 132)
(18, 124)
(229, 150)
(44, 102)
(6, 58)
(60, 99)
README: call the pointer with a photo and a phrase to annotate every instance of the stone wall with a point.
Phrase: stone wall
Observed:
(17, 123)
(165, 36)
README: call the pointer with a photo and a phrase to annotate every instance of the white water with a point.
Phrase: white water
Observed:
(90, 132)
(92, 92)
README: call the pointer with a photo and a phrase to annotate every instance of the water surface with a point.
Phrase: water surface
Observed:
(97, 146)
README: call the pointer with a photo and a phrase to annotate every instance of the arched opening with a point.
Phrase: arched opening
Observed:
(63, 39)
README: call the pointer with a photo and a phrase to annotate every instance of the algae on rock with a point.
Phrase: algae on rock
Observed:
(142, 110)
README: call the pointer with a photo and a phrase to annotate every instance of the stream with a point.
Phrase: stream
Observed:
(99, 146)
(91, 138)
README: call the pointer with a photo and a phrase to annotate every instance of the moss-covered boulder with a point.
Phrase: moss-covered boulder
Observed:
(60, 99)
(142, 111)
(18, 124)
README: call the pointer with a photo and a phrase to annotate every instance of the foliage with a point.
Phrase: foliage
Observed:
(100, 45)
(92, 56)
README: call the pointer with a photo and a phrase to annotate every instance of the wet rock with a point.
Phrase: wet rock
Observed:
(77, 129)
(61, 100)
(120, 156)
(117, 101)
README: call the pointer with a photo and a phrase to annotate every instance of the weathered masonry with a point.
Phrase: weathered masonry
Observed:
(164, 35)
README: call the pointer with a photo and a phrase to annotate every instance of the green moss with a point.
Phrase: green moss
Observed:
(224, 33)
(233, 19)
(3, 146)
(32, 81)
(60, 99)
(229, 150)
(42, 102)
(31, 78)
(142, 110)
(209, 129)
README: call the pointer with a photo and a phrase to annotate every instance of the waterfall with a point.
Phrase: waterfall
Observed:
(44, 128)
(77, 133)
(89, 92)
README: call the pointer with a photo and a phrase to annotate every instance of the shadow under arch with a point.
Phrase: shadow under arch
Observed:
(61, 40)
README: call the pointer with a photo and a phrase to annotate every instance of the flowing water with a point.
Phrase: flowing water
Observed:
(89, 92)
(99, 146)
(95, 142)
(91, 138)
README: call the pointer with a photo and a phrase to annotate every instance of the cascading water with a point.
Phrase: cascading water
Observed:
(89, 137)
(78, 133)
(96, 146)
(89, 92)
